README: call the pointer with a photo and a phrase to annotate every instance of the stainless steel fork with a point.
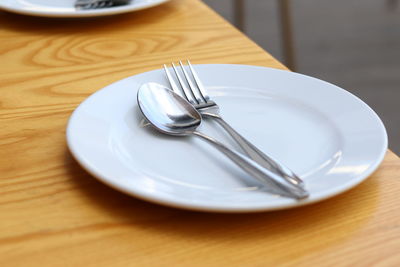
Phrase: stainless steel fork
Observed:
(93, 4)
(191, 88)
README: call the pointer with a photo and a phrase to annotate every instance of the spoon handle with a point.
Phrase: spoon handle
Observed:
(257, 155)
(267, 177)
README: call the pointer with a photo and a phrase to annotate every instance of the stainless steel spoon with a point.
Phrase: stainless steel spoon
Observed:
(171, 114)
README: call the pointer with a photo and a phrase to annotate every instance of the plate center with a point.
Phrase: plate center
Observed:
(290, 131)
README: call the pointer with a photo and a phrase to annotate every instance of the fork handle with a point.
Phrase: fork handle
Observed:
(257, 155)
(273, 181)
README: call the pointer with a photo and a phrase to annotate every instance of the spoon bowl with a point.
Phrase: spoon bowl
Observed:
(175, 117)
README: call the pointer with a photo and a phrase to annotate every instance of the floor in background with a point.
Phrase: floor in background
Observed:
(353, 44)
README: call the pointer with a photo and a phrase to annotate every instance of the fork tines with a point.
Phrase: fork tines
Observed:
(190, 87)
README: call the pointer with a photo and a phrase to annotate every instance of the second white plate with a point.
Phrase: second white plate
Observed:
(326, 135)
(66, 9)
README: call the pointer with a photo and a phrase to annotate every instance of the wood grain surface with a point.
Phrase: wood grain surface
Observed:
(53, 213)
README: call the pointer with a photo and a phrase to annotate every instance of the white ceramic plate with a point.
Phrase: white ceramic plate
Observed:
(65, 8)
(326, 135)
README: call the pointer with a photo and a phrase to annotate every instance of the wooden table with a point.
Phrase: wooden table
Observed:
(52, 213)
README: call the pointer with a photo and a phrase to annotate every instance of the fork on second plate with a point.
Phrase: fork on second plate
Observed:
(94, 4)
(191, 88)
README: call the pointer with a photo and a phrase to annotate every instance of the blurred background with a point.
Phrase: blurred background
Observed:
(351, 43)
